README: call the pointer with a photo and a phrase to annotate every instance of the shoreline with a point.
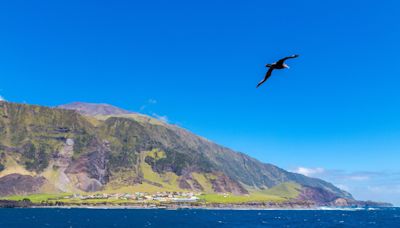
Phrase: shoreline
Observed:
(188, 207)
(26, 203)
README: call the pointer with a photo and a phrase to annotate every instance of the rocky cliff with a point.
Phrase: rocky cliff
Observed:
(83, 147)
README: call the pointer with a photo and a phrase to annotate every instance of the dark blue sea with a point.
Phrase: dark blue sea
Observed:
(389, 217)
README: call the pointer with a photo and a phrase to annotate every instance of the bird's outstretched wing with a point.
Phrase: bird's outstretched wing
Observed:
(267, 75)
(286, 58)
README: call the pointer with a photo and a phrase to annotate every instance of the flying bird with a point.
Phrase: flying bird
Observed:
(278, 65)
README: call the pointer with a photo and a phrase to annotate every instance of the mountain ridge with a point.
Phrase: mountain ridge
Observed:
(94, 109)
(95, 152)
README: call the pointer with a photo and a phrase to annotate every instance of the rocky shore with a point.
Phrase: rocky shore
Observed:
(26, 203)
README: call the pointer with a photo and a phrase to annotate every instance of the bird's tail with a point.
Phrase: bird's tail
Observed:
(268, 65)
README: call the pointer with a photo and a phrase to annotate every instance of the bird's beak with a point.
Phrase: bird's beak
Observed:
(287, 67)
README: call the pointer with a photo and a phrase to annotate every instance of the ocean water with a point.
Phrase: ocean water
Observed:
(55, 217)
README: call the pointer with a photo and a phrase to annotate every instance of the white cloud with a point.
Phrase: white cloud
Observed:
(358, 178)
(310, 172)
(147, 108)
(384, 189)
(162, 118)
(148, 103)
(2, 98)
(335, 174)
(343, 187)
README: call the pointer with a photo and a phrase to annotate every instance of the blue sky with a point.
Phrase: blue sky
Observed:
(334, 113)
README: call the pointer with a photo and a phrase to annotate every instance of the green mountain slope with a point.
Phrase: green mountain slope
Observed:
(109, 149)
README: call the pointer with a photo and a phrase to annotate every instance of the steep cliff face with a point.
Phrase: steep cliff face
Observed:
(91, 169)
(16, 184)
(113, 148)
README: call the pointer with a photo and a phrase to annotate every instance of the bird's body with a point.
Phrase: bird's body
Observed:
(278, 66)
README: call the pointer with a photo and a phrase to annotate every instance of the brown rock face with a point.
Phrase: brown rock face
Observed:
(224, 184)
(184, 184)
(91, 169)
(188, 182)
(341, 202)
(17, 184)
(220, 184)
(318, 195)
